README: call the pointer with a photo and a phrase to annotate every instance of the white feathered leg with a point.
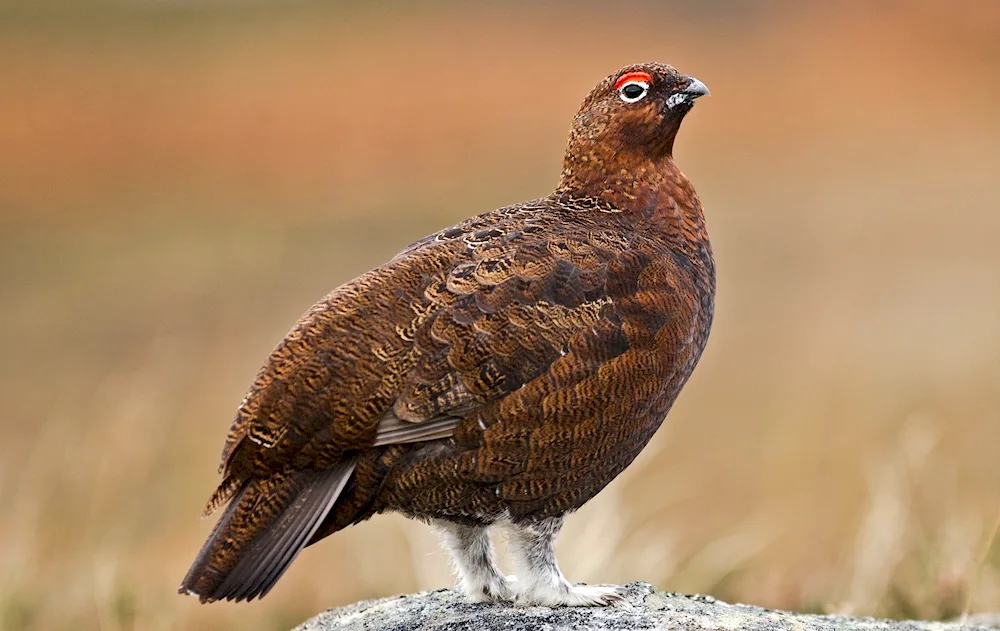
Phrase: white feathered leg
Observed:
(474, 561)
(539, 581)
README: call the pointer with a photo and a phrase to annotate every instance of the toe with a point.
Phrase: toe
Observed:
(572, 596)
(597, 595)
(497, 590)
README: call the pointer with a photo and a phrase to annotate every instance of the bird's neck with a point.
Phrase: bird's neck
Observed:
(652, 192)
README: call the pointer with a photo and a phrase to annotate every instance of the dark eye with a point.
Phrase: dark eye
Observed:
(633, 91)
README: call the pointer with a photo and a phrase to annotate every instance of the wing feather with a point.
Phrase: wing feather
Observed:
(408, 351)
(392, 431)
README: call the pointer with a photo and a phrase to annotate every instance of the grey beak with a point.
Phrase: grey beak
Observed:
(686, 97)
(696, 88)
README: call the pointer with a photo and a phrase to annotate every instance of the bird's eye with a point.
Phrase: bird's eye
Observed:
(633, 91)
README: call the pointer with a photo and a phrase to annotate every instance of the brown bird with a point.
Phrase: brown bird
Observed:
(498, 373)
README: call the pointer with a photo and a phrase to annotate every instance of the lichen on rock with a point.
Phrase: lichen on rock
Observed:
(644, 608)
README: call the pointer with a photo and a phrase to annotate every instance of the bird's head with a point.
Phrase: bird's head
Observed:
(629, 121)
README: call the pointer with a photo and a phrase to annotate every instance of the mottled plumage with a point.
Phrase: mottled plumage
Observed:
(502, 371)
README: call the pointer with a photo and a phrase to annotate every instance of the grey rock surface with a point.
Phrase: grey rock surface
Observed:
(644, 608)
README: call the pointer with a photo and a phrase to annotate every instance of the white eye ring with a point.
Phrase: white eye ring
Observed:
(633, 99)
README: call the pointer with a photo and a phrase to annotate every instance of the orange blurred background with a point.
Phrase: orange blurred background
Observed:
(179, 180)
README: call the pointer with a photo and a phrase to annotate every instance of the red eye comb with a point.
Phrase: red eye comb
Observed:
(633, 76)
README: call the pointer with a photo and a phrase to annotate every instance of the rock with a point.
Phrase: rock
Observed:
(645, 608)
(984, 620)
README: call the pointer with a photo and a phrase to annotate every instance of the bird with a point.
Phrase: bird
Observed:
(495, 375)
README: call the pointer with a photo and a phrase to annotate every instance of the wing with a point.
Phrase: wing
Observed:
(556, 440)
(403, 353)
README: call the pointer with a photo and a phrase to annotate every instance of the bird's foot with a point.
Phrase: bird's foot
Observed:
(474, 561)
(563, 594)
(491, 588)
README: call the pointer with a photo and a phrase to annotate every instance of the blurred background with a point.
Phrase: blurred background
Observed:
(180, 179)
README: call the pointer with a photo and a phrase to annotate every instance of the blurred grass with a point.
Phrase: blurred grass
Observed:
(178, 183)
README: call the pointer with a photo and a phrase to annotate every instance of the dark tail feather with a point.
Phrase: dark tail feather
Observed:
(264, 528)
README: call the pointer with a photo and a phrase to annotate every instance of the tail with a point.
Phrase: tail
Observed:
(264, 528)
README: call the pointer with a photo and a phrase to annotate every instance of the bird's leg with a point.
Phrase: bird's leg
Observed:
(474, 561)
(539, 581)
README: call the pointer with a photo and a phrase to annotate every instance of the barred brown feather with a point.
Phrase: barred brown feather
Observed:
(509, 366)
